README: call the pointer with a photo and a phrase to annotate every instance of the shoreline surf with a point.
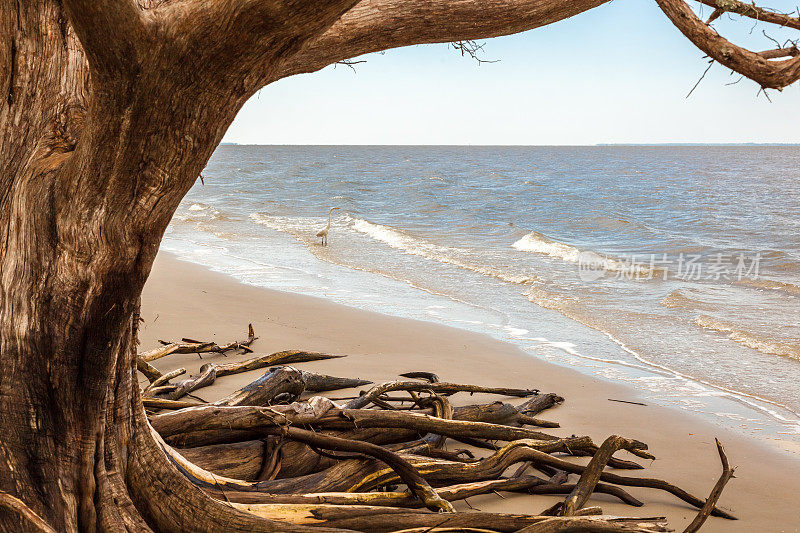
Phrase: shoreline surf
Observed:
(494, 240)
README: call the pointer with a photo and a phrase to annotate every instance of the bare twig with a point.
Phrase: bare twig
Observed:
(472, 49)
(710, 64)
(716, 492)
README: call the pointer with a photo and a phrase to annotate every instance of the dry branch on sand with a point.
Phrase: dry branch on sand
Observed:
(379, 462)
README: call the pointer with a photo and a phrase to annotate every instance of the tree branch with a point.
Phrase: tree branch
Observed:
(376, 25)
(753, 11)
(109, 31)
(789, 51)
(711, 501)
(768, 74)
(235, 38)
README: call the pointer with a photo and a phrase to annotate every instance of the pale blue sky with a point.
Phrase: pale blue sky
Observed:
(616, 74)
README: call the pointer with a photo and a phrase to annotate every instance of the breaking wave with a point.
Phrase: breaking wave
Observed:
(305, 228)
(678, 300)
(537, 243)
(400, 240)
(748, 339)
(769, 284)
(297, 226)
(200, 212)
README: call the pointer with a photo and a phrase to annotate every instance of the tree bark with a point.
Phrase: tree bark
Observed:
(97, 151)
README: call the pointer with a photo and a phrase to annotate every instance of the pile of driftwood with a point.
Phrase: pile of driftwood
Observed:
(381, 460)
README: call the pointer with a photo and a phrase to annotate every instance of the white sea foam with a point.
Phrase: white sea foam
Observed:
(537, 243)
(516, 332)
(400, 240)
(199, 212)
(304, 228)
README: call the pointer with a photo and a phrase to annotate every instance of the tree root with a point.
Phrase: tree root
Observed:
(379, 462)
(30, 518)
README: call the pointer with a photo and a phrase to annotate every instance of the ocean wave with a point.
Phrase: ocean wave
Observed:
(571, 308)
(748, 339)
(406, 243)
(297, 226)
(613, 223)
(678, 300)
(537, 243)
(551, 300)
(200, 212)
(304, 229)
(769, 284)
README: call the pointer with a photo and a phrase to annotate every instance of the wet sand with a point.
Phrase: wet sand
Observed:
(186, 300)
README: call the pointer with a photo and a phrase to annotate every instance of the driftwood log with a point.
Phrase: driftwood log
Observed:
(381, 461)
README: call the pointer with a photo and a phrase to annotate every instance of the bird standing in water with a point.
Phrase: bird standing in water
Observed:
(324, 232)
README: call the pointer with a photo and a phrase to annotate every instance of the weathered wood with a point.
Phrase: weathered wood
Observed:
(223, 416)
(161, 380)
(28, 517)
(198, 347)
(441, 388)
(280, 380)
(768, 74)
(353, 474)
(320, 382)
(286, 357)
(386, 520)
(596, 524)
(206, 377)
(427, 376)
(150, 372)
(539, 403)
(163, 403)
(591, 475)
(524, 484)
(259, 392)
(716, 492)
(215, 457)
(409, 475)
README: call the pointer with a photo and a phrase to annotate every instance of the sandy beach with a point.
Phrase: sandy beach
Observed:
(185, 300)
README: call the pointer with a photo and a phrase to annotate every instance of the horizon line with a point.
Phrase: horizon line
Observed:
(596, 145)
(788, 144)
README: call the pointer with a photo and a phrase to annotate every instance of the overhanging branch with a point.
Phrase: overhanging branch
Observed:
(376, 25)
(753, 11)
(756, 66)
(240, 41)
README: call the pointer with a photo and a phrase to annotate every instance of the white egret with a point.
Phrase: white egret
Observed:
(324, 232)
